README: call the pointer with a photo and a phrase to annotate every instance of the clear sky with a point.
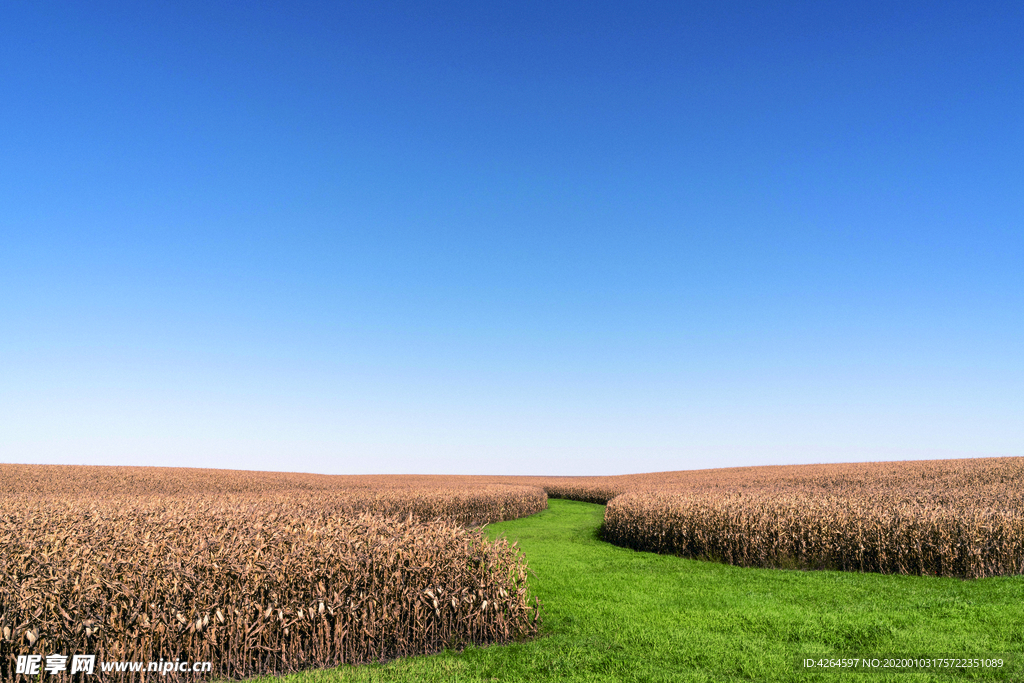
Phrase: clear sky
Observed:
(510, 237)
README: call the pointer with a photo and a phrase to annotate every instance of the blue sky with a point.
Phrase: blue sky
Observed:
(522, 238)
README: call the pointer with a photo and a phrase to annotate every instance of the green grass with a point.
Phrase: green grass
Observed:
(612, 614)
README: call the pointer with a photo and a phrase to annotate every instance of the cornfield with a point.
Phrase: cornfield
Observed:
(254, 574)
(467, 501)
(261, 572)
(960, 518)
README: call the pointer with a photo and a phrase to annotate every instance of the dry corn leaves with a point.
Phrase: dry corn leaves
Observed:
(258, 582)
(960, 518)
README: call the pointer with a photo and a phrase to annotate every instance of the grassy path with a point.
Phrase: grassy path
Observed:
(612, 614)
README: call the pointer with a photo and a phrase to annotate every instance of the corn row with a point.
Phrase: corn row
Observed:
(960, 518)
(251, 583)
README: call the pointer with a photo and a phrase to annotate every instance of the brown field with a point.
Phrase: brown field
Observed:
(255, 572)
(262, 571)
(467, 501)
